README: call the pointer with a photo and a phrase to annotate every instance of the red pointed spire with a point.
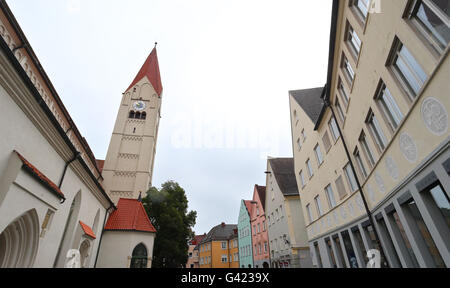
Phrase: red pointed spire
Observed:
(151, 70)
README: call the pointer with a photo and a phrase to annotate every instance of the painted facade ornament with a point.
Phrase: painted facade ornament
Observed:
(408, 147)
(336, 218)
(392, 167)
(380, 182)
(360, 202)
(435, 116)
(351, 209)
(371, 193)
(343, 213)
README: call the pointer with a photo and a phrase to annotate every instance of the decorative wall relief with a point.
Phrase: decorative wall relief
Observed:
(435, 116)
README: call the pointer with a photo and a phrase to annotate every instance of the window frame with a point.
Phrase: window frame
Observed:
(330, 196)
(388, 115)
(377, 133)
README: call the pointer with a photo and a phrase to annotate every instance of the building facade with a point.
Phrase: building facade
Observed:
(193, 252)
(377, 140)
(286, 226)
(53, 205)
(260, 236)
(220, 248)
(245, 235)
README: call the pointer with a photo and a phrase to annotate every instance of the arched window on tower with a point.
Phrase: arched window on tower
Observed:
(132, 115)
(144, 116)
(139, 258)
(138, 115)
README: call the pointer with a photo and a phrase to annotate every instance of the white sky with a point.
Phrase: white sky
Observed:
(226, 67)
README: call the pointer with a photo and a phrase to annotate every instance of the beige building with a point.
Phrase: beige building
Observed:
(54, 208)
(285, 222)
(387, 93)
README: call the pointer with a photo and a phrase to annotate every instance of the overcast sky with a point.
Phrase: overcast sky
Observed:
(226, 68)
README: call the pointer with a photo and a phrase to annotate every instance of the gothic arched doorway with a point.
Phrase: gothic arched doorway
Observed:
(19, 242)
(139, 258)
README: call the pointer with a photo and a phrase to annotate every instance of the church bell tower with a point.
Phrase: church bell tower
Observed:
(128, 168)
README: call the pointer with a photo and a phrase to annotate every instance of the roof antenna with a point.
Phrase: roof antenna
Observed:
(156, 43)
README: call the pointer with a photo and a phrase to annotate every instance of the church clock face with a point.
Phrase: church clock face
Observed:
(139, 106)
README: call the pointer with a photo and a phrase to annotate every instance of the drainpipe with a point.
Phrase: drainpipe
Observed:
(75, 157)
(101, 235)
(366, 206)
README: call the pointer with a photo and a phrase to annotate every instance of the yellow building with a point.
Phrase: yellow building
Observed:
(371, 149)
(220, 249)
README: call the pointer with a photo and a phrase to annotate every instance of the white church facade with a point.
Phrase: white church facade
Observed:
(59, 205)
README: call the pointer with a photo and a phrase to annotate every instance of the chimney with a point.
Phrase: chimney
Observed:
(223, 224)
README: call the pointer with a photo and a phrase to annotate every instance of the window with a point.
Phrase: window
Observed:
(224, 258)
(351, 178)
(343, 92)
(370, 232)
(330, 196)
(367, 150)
(334, 129)
(259, 228)
(353, 40)
(254, 230)
(399, 229)
(340, 112)
(224, 245)
(132, 115)
(349, 72)
(326, 141)
(299, 144)
(377, 133)
(339, 250)
(331, 253)
(318, 206)
(139, 257)
(318, 154)
(359, 244)
(341, 188)
(391, 111)
(414, 214)
(264, 226)
(310, 170)
(302, 178)
(296, 117)
(441, 201)
(349, 249)
(266, 247)
(144, 115)
(361, 167)
(304, 135)
(362, 8)
(308, 209)
(406, 69)
(432, 19)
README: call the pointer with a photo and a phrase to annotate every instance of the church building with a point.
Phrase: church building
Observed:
(59, 205)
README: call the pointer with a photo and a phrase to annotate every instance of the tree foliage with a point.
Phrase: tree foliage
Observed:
(167, 208)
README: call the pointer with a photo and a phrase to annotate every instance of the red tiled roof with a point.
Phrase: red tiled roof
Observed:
(197, 239)
(100, 164)
(40, 177)
(129, 216)
(87, 230)
(151, 70)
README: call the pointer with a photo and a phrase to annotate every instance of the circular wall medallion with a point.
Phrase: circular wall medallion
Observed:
(408, 147)
(380, 182)
(435, 116)
(392, 167)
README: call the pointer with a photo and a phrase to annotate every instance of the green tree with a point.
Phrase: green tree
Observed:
(167, 208)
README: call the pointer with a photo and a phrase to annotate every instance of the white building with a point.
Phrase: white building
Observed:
(54, 197)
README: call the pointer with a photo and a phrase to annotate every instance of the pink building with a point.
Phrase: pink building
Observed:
(193, 260)
(260, 235)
